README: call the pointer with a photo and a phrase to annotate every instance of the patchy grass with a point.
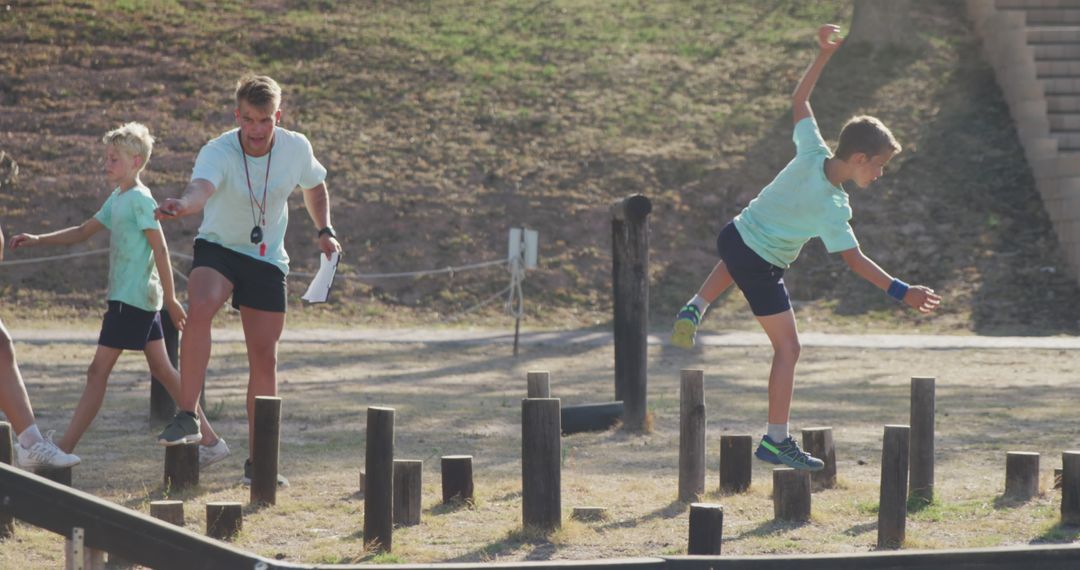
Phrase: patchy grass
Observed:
(452, 399)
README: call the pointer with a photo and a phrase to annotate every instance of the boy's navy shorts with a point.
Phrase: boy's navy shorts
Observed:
(129, 328)
(760, 281)
(256, 284)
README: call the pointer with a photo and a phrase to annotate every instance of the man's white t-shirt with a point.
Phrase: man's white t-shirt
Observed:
(228, 218)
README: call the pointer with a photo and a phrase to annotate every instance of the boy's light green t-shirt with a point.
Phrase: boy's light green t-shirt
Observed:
(799, 204)
(133, 276)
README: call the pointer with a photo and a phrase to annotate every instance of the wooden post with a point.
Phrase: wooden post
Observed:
(168, 511)
(791, 495)
(706, 529)
(541, 451)
(457, 478)
(78, 557)
(818, 441)
(630, 285)
(1021, 474)
(265, 449)
(379, 491)
(1070, 488)
(691, 435)
(181, 466)
(538, 384)
(735, 459)
(922, 438)
(407, 491)
(7, 455)
(162, 406)
(224, 519)
(892, 507)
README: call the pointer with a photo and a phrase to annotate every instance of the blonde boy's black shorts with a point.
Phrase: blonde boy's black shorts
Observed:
(128, 327)
(256, 284)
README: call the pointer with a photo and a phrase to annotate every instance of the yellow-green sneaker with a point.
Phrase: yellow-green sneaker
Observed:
(686, 324)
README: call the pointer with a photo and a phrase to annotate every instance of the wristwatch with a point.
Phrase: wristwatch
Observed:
(328, 230)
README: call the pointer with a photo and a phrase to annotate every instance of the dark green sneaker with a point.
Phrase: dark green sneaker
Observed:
(686, 324)
(282, 482)
(787, 453)
(184, 428)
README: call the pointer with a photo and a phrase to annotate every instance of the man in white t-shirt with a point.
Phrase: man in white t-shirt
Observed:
(241, 182)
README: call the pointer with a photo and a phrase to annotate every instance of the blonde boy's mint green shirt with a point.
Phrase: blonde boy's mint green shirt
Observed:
(133, 276)
(799, 204)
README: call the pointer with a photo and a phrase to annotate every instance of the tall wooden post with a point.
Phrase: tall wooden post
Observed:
(379, 488)
(922, 438)
(541, 451)
(7, 455)
(1070, 488)
(265, 450)
(892, 507)
(691, 435)
(630, 285)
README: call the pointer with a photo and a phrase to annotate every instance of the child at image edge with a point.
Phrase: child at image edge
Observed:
(804, 201)
(140, 282)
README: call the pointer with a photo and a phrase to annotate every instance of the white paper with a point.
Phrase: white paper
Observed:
(319, 289)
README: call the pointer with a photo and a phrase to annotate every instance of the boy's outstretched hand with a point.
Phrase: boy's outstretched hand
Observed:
(922, 298)
(825, 38)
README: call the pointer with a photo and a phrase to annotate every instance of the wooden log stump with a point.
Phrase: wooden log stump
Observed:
(181, 466)
(407, 491)
(590, 417)
(1021, 474)
(691, 435)
(538, 384)
(457, 478)
(706, 529)
(7, 455)
(588, 514)
(265, 449)
(818, 441)
(791, 495)
(224, 519)
(1070, 488)
(736, 452)
(921, 447)
(541, 453)
(892, 507)
(169, 511)
(630, 288)
(379, 467)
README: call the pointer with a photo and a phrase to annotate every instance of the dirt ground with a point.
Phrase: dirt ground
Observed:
(465, 399)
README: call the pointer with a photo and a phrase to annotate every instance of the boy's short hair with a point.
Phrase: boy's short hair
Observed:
(134, 138)
(258, 90)
(867, 135)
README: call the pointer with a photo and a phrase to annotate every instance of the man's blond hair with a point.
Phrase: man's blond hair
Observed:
(259, 91)
(134, 138)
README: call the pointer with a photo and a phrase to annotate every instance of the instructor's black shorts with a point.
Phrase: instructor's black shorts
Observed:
(256, 284)
(760, 281)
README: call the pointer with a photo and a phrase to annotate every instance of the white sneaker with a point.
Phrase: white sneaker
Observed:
(43, 454)
(211, 454)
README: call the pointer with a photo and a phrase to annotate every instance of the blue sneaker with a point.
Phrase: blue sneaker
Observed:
(686, 324)
(787, 453)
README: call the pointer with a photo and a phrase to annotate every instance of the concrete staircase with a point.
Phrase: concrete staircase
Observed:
(1034, 48)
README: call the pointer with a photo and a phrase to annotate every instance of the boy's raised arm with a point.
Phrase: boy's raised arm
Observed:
(66, 236)
(800, 98)
(193, 199)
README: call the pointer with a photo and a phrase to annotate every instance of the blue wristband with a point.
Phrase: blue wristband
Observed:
(898, 289)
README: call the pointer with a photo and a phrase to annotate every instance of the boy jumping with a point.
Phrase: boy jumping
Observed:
(140, 282)
(804, 201)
